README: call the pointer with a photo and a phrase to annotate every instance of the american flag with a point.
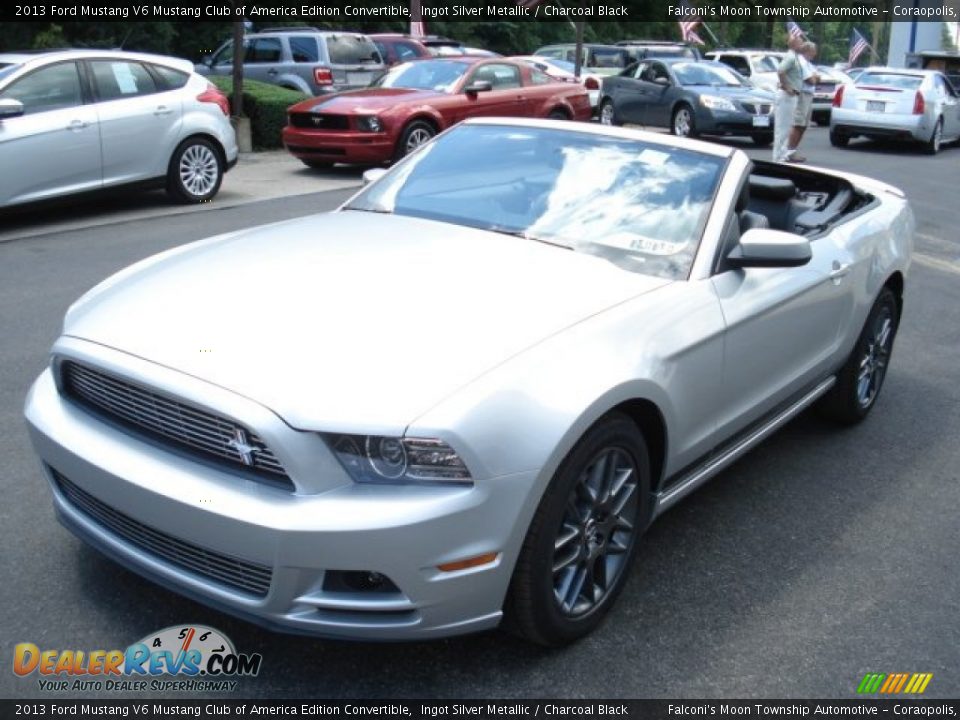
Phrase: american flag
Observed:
(418, 28)
(793, 30)
(688, 27)
(858, 43)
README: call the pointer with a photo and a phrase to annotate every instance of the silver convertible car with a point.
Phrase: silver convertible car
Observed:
(461, 397)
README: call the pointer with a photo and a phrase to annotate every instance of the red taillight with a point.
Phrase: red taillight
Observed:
(918, 105)
(213, 95)
(591, 83)
(323, 76)
(838, 96)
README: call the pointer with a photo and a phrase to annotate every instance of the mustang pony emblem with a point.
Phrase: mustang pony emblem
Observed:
(240, 444)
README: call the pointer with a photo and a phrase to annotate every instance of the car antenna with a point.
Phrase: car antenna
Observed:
(124, 41)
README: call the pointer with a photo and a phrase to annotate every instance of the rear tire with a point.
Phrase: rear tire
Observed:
(583, 537)
(195, 171)
(839, 139)
(558, 114)
(608, 113)
(936, 138)
(861, 378)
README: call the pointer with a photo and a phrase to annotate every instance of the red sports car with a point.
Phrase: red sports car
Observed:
(414, 101)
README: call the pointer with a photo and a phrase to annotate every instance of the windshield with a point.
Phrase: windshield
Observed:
(703, 74)
(352, 50)
(438, 75)
(7, 69)
(894, 80)
(765, 63)
(639, 204)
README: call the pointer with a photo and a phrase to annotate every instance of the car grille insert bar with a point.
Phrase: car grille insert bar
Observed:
(317, 121)
(242, 575)
(171, 421)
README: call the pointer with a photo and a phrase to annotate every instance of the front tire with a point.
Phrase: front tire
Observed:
(317, 164)
(195, 171)
(683, 124)
(582, 540)
(861, 378)
(762, 139)
(417, 133)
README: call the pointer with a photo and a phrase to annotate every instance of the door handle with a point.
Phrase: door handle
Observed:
(162, 110)
(271, 72)
(77, 125)
(839, 272)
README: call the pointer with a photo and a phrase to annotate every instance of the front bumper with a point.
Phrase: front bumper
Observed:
(344, 147)
(731, 122)
(299, 539)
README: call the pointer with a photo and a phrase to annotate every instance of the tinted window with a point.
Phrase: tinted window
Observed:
(173, 79)
(264, 50)
(406, 51)
(352, 50)
(224, 55)
(895, 80)
(501, 77)
(119, 79)
(304, 49)
(737, 63)
(638, 204)
(539, 78)
(50, 88)
(606, 58)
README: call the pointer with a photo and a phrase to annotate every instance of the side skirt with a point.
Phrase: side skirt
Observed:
(725, 455)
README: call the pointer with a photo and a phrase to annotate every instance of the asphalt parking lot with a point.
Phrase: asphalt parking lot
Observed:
(819, 557)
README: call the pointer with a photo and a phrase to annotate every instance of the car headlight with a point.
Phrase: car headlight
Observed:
(379, 459)
(716, 103)
(370, 123)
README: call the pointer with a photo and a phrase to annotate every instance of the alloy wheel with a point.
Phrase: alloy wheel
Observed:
(875, 358)
(198, 170)
(682, 123)
(416, 138)
(594, 539)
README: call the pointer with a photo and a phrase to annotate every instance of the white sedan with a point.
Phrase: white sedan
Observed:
(896, 103)
(565, 71)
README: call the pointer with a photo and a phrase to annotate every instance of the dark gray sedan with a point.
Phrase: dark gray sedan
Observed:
(691, 98)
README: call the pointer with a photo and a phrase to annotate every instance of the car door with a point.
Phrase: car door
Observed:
(783, 329)
(950, 107)
(262, 59)
(627, 92)
(658, 95)
(54, 147)
(139, 120)
(506, 96)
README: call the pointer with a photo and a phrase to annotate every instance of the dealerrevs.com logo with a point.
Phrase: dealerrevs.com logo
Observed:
(202, 658)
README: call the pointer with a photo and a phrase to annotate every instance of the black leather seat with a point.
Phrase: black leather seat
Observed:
(749, 220)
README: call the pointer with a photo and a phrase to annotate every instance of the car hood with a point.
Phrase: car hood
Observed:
(349, 321)
(753, 95)
(364, 101)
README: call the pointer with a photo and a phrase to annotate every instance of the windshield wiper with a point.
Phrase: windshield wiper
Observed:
(526, 236)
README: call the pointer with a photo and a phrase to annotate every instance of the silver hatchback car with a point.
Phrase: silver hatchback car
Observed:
(80, 120)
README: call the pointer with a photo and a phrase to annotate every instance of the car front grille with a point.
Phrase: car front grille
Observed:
(172, 422)
(757, 109)
(319, 121)
(243, 575)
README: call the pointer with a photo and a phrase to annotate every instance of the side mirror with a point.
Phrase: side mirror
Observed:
(478, 86)
(372, 175)
(10, 108)
(763, 247)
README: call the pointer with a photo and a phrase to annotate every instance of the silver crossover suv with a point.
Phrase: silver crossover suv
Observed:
(305, 59)
(78, 120)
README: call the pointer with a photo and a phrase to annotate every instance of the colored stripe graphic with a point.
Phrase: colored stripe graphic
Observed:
(894, 683)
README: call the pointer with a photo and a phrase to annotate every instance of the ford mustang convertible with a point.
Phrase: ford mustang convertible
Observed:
(460, 398)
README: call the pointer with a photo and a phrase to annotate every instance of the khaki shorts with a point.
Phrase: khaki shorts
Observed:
(801, 113)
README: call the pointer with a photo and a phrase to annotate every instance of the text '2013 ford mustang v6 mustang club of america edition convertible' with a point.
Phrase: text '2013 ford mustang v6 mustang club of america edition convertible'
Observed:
(462, 396)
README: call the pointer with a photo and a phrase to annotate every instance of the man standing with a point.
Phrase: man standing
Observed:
(798, 79)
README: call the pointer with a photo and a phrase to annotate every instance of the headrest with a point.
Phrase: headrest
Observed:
(770, 188)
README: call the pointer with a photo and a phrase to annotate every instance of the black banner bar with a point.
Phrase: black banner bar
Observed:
(688, 709)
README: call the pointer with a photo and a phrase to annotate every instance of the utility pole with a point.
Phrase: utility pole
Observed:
(578, 63)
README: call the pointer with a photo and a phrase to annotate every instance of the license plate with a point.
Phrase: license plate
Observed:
(359, 78)
(761, 121)
(875, 106)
